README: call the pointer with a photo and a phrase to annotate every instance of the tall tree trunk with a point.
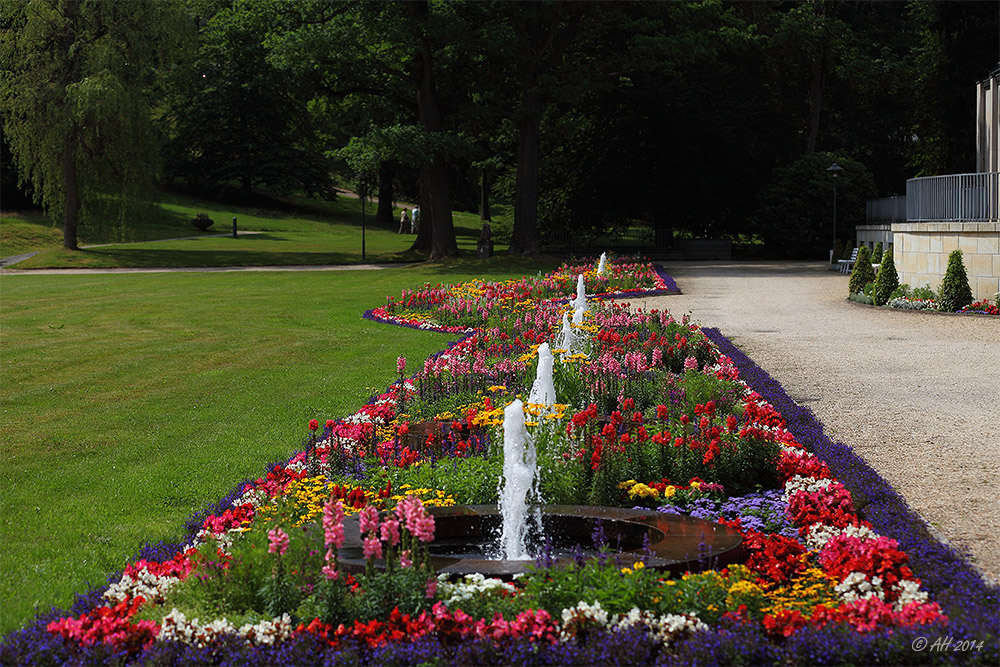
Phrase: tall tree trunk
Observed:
(484, 196)
(383, 215)
(815, 102)
(524, 239)
(437, 229)
(663, 229)
(71, 186)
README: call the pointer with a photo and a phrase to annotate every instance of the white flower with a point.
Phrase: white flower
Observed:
(857, 586)
(909, 592)
(151, 587)
(820, 533)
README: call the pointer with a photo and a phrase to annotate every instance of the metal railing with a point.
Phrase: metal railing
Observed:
(956, 197)
(887, 209)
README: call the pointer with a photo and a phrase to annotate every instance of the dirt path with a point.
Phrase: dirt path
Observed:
(916, 394)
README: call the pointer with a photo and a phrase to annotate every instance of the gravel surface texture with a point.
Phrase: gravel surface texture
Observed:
(916, 394)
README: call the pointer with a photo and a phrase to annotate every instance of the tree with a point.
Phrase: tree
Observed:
(863, 273)
(237, 118)
(386, 52)
(955, 292)
(795, 218)
(887, 280)
(76, 81)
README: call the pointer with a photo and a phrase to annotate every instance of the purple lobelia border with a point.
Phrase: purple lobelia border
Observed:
(969, 601)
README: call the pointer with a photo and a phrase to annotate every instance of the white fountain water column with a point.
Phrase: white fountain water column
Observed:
(520, 467)
(580, 302)
(600, 265)
(567, 339)
(543, 390)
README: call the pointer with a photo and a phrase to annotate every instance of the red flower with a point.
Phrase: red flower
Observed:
(313, 424)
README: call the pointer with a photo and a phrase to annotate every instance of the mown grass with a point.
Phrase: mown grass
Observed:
(131, 401)
(305, 232)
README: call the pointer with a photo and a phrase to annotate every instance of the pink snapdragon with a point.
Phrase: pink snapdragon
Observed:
(333, 523)
(390, 531)
(277, 541)
(371, 547)
(368, 520)
(400, 364)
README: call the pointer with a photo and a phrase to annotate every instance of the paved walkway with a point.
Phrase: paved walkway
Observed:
(916, 394)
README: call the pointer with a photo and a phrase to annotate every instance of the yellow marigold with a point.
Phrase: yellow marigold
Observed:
(627, 484)
(642, 491)
(669, 491)
(497, 387)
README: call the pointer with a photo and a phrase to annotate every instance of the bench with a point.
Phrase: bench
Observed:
(847, 264)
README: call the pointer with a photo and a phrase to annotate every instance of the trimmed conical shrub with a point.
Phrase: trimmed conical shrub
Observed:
(955, 291)
(863, 272)
(877, 253)
(838, 250)
(886, 282)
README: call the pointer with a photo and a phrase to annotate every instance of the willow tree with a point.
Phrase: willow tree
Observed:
(76, 77)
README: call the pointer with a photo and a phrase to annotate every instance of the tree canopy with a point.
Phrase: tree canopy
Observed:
(75, 88)
(711, 118)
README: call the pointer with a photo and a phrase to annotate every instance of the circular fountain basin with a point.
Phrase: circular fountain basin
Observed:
(465, 536)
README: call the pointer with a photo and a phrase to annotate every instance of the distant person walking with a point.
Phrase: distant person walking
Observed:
(404, 222)
(415, 220)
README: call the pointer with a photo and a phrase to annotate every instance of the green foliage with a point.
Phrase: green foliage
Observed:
(795, 218)
(887, 281)
(955, 292)
(381, 592)
(838, 250)
(278, 594)
(596, 580)
(236, 118)
(877, 253)
(470, 480)
(331, 602)
(863, 273)
(76, 93)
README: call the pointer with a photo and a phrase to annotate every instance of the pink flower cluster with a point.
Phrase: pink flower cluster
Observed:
(278, 541)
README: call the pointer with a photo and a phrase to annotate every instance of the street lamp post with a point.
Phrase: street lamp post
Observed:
(834, 169)
(363, 193)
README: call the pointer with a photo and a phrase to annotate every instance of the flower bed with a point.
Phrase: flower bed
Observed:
(653, 412)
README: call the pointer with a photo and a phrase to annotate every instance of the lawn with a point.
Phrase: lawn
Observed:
(131, 401)
(301, 232)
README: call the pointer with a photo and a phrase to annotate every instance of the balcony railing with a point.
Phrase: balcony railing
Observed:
(887, 209)
(954, 198)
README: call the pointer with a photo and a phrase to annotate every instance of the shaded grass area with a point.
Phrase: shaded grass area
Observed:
(295, 232)
(131, 401)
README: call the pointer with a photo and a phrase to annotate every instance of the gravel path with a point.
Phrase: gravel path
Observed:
(916, 394)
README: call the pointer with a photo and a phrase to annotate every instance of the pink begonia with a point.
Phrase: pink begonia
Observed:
(371, 547)
(404, 558)
(690, 364)
(368, 520)
(333, 523)
(278, 541)
(390, 531)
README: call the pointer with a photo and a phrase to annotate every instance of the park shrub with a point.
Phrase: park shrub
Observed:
(955, 291)
(886, 282)
(838, 250)
(877, 253)
(863, 272)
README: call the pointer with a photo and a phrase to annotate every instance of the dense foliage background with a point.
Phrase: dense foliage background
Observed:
(707, 118)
